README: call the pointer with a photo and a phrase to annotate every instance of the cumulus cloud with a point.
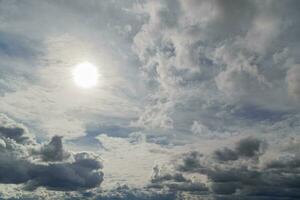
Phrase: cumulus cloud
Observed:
(245, 148)
(82, 173)
(18, 162)
(54, 150)
(191, 162)
(230, 175)
(15, 131)
(175, 182)
(200, 56)
(188, 68)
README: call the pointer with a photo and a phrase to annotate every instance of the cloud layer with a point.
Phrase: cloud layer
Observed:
(180, 79)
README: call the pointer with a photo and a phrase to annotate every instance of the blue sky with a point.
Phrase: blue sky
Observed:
(195, 99)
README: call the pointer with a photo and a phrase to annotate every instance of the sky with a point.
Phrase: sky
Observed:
(190, 99)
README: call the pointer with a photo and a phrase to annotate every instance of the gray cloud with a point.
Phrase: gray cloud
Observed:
(247, 148)
(293, 81)
(191, 162)
(36, 46)
(82, 173)
(127, 193)
(226, 154)
(254, 178)
(54, 150)
(15, 131)
(206, 59)
(175, 182)
(177, 70)
(18, 162)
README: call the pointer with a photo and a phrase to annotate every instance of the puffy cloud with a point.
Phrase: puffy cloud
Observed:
(249, 147)
(18, 162)
(191, 162)
(226, 154)
(15, 131)
(210, 67)
(245, 148)
(174, 182)
(54, 150)
(241, 79)
(214, 57)
(82, 173)
(238, 178)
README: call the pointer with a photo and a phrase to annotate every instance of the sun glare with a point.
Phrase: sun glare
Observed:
(85, 75)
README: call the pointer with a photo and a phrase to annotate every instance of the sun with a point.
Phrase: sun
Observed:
(85, 75)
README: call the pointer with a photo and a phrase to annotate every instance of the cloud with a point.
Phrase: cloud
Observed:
(124, 192)
(245, 148)
(293, 81)
(188, 73)
(226, 154)
(18, 162)
(174, 182)
(233, 176)
(249, 147)
(32, 52)
(81, 174)
(54, 150)
(15, 131)
(215, 57)
(191, 162)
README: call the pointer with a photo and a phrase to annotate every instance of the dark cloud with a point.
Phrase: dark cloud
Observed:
(226, 154)
(14, 131)
(81, 174)
(174, 182)
(16, 134)
(157, 177)
(191, 162)
(18, 163)
(245, 148)
(231, 176)
(54, 150)
(248, 147)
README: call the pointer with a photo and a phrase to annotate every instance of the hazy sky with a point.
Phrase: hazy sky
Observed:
(194, 99)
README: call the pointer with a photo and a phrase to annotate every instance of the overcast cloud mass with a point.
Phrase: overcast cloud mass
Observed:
(195, 100)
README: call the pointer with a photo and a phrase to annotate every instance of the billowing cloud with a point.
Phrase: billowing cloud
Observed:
(205, 60)
(179, 78)
(54, 150)
(241, 172)
(21, 162)
(247, 148)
